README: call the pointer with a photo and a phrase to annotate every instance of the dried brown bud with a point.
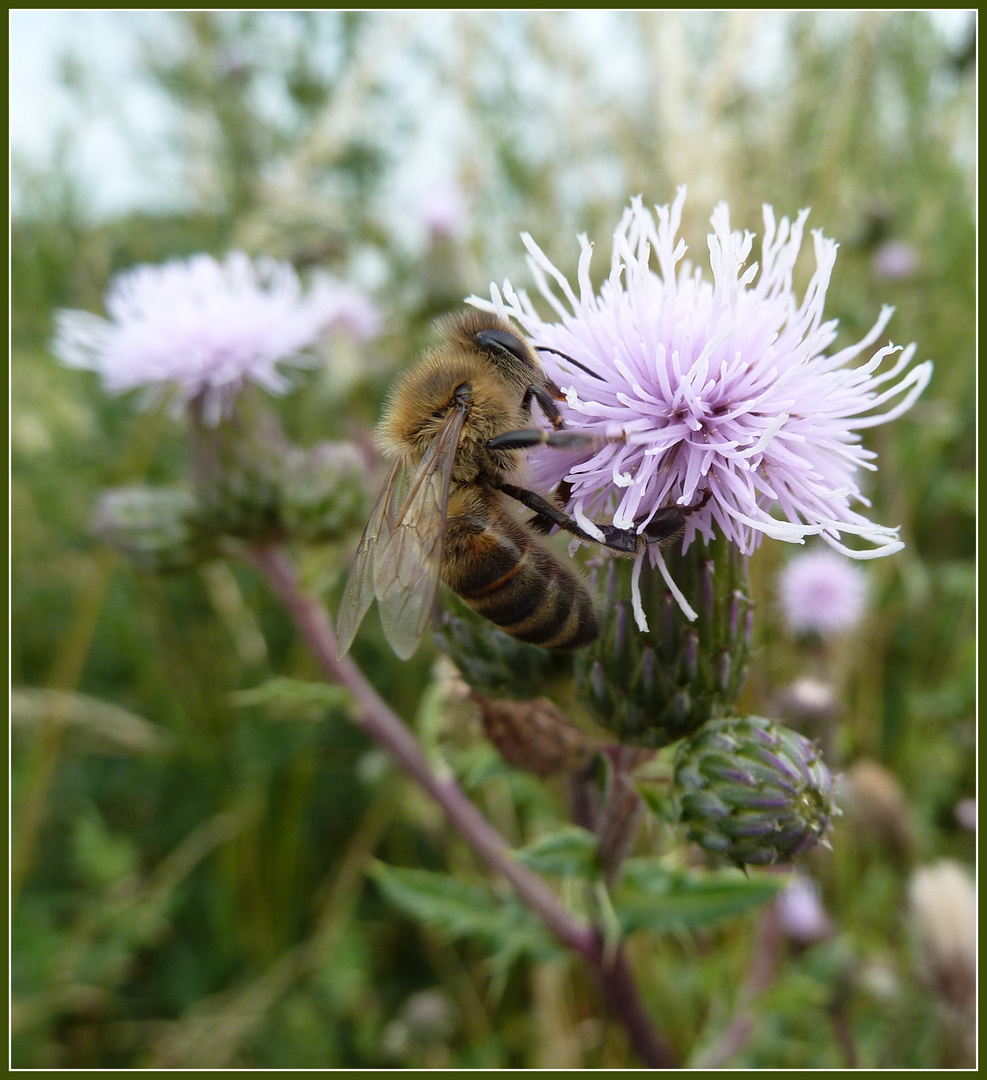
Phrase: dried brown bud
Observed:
(877, 805)
(535, 735)
(943, 904)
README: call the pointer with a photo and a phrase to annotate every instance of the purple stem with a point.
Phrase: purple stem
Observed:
(381, 723)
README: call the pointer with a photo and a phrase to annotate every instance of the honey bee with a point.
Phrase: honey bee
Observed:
(454, 427)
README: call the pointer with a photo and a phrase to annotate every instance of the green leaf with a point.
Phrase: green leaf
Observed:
(653, 897)
(569, 852)
(657, 800)
(463, 910)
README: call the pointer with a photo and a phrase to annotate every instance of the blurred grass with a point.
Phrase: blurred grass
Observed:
(203, 901)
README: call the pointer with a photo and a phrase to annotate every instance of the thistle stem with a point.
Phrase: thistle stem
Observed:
(768, 948)
(622, 810)
(383, 725)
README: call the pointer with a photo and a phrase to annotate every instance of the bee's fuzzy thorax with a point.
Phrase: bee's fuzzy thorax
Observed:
(422, 398)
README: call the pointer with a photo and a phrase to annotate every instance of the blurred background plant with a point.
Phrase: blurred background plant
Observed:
(191, 850)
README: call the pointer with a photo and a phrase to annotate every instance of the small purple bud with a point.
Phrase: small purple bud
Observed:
(620, 626)
(707, 570)
(598, 680)
(690, 662)
(725, 668)
(735, 601)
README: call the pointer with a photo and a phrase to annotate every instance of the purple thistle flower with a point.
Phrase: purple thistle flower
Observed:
(208, 327)
(895, 261)
(722, 386)
(821, 592)
(443, 210)
(800, 908)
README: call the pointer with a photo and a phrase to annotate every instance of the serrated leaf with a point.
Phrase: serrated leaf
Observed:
(653, 897)
(296, 692)
(463, 910)
(569, 852)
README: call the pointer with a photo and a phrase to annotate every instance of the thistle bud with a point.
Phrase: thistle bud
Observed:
(652, 687)
(750, 791)
(156, 527)
(495, 664)
(535, 736)
(324, 492)
(237, 468)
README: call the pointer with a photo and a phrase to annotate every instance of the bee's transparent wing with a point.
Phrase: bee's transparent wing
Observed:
(359, 592)
(406, 569)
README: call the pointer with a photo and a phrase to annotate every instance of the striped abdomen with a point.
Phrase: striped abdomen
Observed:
(506, 574)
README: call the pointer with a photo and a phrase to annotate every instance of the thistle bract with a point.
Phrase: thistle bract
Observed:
(751, 791)
(236, 468)
(156, 527)
(494, 663)
(324, 491)
(651, 688)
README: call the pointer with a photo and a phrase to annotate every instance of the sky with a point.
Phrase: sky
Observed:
(111, 137)
(120, 137)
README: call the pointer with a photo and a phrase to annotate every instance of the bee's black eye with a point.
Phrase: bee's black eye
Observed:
(496, 340)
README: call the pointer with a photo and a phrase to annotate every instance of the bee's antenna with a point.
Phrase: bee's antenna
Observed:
(566, 356)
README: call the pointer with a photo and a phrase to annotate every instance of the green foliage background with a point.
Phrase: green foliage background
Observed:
(190, 864)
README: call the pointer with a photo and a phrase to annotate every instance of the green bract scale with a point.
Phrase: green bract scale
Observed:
(494, 663)
(156, 527)
(324, 493)
(751, 791)
(236, 468)
(652, 688)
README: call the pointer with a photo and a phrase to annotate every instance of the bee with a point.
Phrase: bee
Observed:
(454, 428)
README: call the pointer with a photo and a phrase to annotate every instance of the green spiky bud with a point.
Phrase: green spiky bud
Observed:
(156, 527)
(652, 688)
(324, 492)
(494, 663)
(751, 791)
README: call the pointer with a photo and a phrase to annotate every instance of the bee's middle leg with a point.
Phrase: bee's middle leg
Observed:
(622, 540)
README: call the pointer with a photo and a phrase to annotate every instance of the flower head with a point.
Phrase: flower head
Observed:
(822, 592)
(207, 327)
(721, 386)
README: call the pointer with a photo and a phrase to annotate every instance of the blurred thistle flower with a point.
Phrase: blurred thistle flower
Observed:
(208, 328)
(895, 261)
(722, 387)
(966, 814)
(442, 210)
(943, 903)
(802, 915)
(821, 592)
